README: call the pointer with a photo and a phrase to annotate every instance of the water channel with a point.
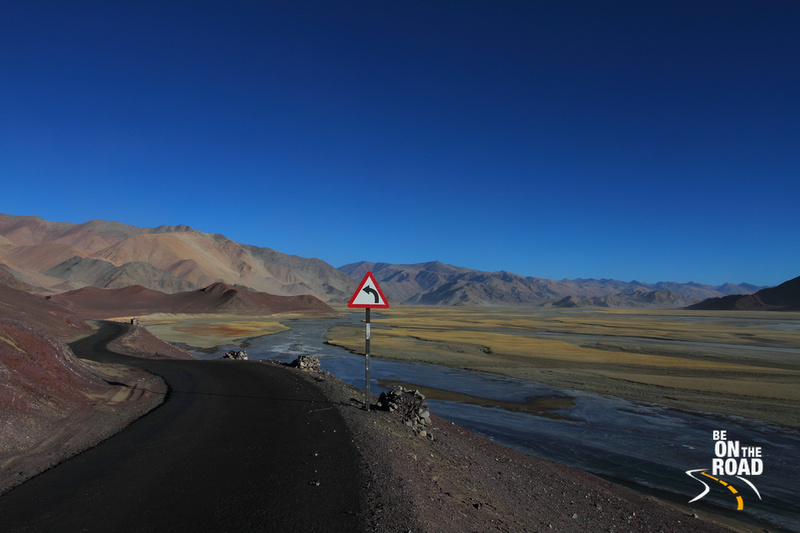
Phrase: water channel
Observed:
(645, 446)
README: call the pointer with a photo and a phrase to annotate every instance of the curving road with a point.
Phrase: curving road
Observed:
(236, 446)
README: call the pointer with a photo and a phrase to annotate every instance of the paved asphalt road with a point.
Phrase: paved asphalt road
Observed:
(236, 446)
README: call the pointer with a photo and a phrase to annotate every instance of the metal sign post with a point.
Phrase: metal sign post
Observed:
(368, 295)
(366, 363)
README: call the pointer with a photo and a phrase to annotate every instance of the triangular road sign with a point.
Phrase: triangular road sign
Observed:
(368, 294)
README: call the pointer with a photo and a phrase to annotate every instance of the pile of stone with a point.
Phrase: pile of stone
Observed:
(307, 362)
(239, 355)
(411, 406)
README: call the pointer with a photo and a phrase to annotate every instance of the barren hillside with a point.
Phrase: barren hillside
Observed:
(61, 257)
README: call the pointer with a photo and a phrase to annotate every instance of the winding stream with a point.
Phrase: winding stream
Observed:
(646, 446)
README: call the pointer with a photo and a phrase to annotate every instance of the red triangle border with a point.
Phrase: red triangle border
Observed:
(368, 277)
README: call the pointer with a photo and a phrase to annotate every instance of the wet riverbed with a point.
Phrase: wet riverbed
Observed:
(645, 446)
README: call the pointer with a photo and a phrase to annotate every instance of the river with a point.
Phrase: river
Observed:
(645, 446)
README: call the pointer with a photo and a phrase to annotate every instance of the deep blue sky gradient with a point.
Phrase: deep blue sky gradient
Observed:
(657, 141)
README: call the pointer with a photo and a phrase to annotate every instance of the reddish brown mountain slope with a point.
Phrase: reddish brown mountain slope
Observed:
(41, 376)
(35, 310)
(91, 302)
(52, 404)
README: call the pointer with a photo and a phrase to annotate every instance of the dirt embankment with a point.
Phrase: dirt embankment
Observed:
(141, 343)
(55, 405)
(458, 481)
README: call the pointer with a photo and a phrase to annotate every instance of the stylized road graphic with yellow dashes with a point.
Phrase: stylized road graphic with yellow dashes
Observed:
(740, 502)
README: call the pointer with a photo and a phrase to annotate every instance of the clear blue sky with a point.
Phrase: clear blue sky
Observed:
(648, 140)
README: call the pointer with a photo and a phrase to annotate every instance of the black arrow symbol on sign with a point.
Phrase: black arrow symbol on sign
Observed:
(374, 293)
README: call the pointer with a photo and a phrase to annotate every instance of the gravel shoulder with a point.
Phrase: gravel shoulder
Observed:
(457, 481)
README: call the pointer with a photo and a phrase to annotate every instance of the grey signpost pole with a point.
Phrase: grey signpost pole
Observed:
(368, 295)
(366, 362)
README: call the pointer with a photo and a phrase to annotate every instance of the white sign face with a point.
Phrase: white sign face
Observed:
(368, 294)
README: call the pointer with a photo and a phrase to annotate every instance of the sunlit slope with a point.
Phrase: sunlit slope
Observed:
(61, 257)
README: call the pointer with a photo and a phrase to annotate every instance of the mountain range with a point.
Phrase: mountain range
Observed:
(56, 257)
(435, 283)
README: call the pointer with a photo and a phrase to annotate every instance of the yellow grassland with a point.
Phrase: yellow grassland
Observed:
(209, 331)
(682, 370)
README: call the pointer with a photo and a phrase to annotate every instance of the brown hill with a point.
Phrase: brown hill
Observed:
(54, 404)
(93, 302)
(43, 384)
(42, 314)
(63, 256)
(784, 297)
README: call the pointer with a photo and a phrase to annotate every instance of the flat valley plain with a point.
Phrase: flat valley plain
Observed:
(725, 362)
(206, 332)
(739, 363)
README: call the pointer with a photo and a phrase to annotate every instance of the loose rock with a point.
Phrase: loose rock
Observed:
(307, 362)
(239, 355)
(411, 406)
